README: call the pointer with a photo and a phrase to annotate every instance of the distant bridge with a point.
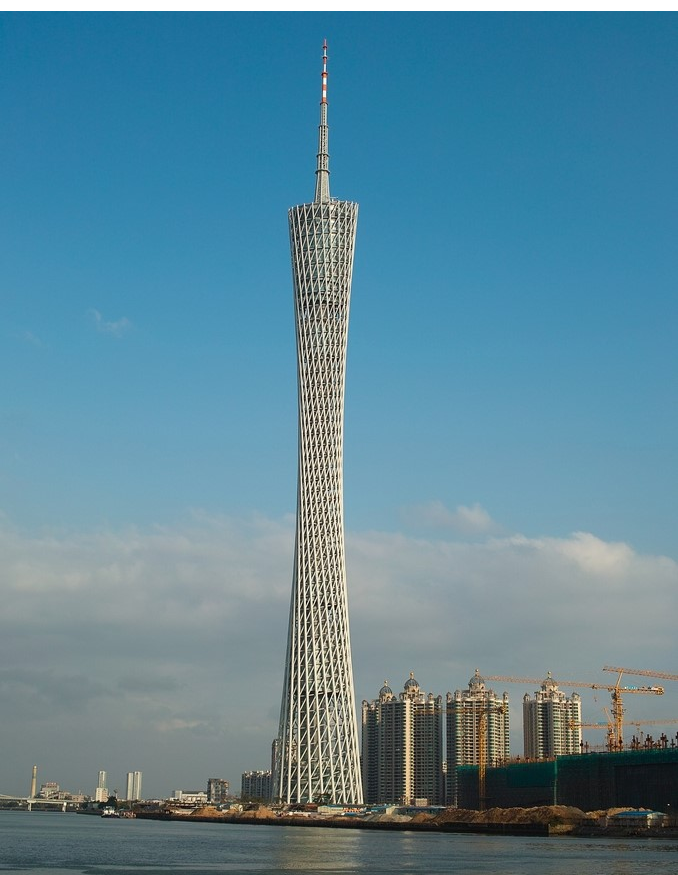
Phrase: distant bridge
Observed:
(30, 801)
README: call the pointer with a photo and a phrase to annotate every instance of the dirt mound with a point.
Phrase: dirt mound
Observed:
(389, 818)
(206, 811)
(422, 817)
(610, 812)
(260, 813)
(546, 814)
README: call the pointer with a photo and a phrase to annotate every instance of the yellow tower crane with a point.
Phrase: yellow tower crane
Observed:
(615, 690)
(667, 722)
(664, 675)
(643, 672)
(610, 730)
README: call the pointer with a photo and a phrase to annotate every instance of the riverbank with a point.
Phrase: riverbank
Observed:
(356, 823)
(542, 821)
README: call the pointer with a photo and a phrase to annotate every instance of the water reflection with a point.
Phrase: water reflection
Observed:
(312, 849)
(73, 845)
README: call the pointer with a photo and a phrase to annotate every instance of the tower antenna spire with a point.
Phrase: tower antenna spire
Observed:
(322, 173)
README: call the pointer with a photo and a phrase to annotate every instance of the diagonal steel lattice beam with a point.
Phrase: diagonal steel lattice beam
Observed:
(317, 756)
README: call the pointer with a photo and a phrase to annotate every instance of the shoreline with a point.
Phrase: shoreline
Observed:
(502, 828)
(533, 829)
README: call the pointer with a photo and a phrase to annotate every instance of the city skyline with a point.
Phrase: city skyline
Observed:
(510, 436)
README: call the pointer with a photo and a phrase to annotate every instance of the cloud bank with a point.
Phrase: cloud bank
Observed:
(162, 649)
(466, 520)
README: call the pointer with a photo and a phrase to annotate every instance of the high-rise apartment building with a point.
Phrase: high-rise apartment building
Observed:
(477, 730)
(255, 785)
(317, 752)
(402, 746)
(101, 792)
(217, 790)
(133, 786)
(386, 748)
(551, 722)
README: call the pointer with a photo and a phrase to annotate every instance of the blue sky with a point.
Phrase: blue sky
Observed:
(511, 427)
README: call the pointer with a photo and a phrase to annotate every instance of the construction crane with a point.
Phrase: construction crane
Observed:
(577, 724)
(483, 744)
(643, 672)
(640, 723)
(617, 707)
(574, 724)
(615, 690)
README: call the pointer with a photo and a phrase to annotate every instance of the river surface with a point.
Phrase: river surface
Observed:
(54, 843)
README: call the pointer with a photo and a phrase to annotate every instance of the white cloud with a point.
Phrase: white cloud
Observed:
(113, 640)
(31, 338)
(117, 328)
(592, 555)
(434, 514)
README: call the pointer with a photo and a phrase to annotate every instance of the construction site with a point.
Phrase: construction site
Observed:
(641, 772)
(645, 779)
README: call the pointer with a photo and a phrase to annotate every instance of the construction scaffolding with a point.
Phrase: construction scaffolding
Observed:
(595, 781)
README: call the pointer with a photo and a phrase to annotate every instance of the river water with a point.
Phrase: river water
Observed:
(53, 843)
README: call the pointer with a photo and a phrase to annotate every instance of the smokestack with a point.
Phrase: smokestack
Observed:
(34, 782)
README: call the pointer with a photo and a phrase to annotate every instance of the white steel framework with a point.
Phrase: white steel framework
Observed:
(317, 757)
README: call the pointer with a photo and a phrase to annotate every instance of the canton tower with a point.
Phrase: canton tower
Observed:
(317, 757)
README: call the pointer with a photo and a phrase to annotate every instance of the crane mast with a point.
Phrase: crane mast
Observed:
(483, 744)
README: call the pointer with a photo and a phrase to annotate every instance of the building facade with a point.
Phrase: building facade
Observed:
(101, 792)
(133, 786)
(189, 797)
(638, 779)
(477, 731)
(255, 786)
(217, 790)
(402, 747)
(551, 722)
(317, 755)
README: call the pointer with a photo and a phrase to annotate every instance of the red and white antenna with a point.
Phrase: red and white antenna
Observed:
(322, 173)
(324, 73)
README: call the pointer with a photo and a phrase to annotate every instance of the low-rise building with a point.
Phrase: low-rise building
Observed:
(189, 797)
(637, 819)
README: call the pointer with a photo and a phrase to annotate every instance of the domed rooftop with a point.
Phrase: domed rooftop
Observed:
(548, 683)
(411, 683)
(476, 681)
(385, 691)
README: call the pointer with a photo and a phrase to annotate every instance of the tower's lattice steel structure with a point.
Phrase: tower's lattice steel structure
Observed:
(317, 755)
